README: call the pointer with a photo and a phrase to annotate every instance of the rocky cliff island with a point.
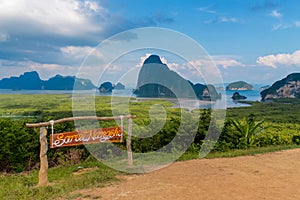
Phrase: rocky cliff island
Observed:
(157, 80)
(108, 87)
(288, 87)
(236, 96)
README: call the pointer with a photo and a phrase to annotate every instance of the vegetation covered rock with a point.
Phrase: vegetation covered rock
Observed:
(236, 96)
(288, 87)
(157, 80)
(106, 87)
(119, 86)
(239, 85)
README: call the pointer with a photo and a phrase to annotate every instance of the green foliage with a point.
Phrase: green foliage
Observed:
(280, 117)
(278, 111)
(278, 134)
(296, 139)
(248, 129)
(18, 146)
(239, 84)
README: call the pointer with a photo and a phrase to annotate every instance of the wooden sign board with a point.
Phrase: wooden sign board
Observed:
(113, 134)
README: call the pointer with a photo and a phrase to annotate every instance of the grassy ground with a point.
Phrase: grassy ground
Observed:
(280, 116)
(238, 152)
(63, 180)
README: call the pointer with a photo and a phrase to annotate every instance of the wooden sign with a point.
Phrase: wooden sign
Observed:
(113, 134)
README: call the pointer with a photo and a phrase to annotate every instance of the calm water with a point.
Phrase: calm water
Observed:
(253, 95)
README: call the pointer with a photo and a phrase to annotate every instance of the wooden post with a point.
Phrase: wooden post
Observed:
(43, 173)
(128, 142)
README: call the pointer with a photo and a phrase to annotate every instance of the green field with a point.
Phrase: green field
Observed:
(277, 122)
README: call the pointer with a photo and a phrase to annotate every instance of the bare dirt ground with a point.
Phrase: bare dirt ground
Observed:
(266, 176)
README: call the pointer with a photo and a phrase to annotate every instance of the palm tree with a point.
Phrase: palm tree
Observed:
(249, 129)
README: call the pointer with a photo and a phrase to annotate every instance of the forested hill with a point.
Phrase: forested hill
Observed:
(288, 87)
(239, 85)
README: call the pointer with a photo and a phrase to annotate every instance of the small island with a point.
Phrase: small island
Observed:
(119, 86)
(264, 87)
(236, 96)
(239, 85)
(108, 87)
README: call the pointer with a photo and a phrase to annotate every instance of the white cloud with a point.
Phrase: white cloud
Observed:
(92, 6)
(15, 68)
(46, 67)
(277, 60)
(275, 14)
(228, 19)
(224, 19)
(277, 27)
(282, 26)
(80, 52)
(297, 23)
(226, 62)
(142, 59)
(172, 66)
(64, 17)
(229, 63)
(207, 9)
(4, 37)
(204, 70)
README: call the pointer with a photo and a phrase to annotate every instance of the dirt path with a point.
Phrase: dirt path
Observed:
(268, 176)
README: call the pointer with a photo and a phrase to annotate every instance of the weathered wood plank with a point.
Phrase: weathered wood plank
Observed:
(128, 142)
(43, 173)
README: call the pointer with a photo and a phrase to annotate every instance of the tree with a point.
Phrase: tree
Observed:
(249, 128)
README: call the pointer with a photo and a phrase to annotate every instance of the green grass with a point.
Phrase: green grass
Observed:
(278, 111)
(62, 182)
(238, 152)
(250, 151)
(281, 119)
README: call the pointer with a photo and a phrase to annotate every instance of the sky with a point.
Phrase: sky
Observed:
(252, 40)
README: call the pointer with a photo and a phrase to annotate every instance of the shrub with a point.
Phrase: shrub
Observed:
(19, 146)
(296, 139)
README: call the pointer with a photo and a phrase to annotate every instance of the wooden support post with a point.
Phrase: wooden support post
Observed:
(43, 173)
(128, 142)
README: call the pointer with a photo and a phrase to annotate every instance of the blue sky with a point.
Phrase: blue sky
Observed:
(252, 40)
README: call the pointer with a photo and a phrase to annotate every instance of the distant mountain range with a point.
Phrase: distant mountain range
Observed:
(32, 81)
